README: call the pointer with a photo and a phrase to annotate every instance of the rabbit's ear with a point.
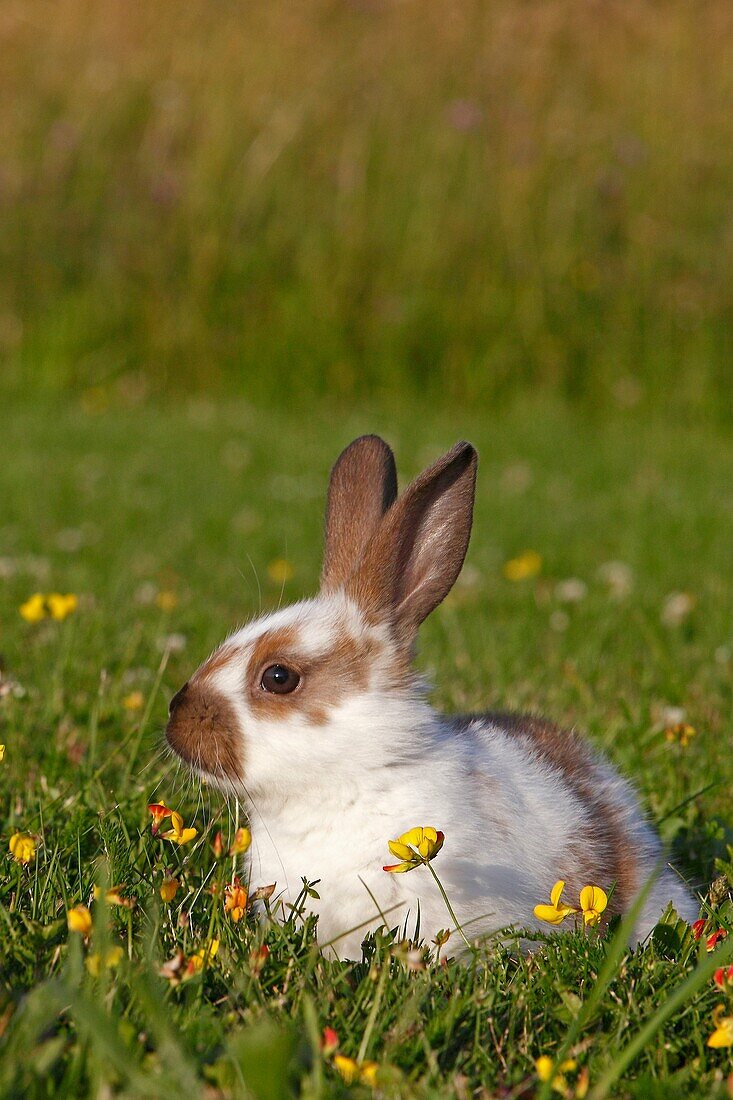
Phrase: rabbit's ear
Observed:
(417, 552)
(363, 484)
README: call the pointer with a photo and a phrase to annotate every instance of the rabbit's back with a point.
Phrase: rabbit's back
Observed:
(539, 767)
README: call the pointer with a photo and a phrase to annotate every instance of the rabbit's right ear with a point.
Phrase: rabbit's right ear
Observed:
(363, 485)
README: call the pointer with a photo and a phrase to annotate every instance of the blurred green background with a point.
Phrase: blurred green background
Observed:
(288, 200)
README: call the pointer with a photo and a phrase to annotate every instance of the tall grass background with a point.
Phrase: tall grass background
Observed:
(464, 199)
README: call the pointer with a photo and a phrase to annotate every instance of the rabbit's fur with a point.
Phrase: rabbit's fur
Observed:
(355, 755)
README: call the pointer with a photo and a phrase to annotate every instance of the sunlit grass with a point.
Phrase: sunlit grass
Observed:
(172, 525)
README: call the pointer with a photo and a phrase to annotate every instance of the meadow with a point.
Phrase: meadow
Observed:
(358, 197)
(234, 236)
(171, 524)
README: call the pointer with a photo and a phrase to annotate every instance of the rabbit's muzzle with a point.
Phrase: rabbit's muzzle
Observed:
(203, 730)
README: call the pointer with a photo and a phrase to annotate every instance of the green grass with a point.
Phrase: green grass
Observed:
(355, 197)
(198, 499)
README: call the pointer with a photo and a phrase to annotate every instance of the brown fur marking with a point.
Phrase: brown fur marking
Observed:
(218, 660)
(604, 854)
(327, 679)
(204, 731)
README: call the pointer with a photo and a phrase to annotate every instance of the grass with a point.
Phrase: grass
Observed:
(198, 499)
(346, 198)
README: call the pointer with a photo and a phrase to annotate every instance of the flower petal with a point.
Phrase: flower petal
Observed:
(593, 898)
(550, 914)
(556, 891)
(400, 850)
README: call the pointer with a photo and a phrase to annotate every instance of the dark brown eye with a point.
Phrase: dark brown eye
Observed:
(279, 680)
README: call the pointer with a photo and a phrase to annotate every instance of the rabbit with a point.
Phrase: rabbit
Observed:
(314, 718)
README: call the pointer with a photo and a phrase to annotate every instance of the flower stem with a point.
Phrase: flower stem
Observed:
(449, 907)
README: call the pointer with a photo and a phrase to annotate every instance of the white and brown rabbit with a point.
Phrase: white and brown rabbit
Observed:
(314, 718)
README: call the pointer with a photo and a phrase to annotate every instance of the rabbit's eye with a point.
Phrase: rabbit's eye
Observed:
(279, 680)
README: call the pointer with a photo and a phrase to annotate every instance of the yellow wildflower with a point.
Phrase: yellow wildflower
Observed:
(415, 848)
(166, 601)
(544, 1066)
(112, 958)
(352, 1071)
(723, 1034)
(60, 607)
(178, 834)
(241, 842)
(280, 571)
(681, 732)
(196, 962)
(133, 701)
(22, 847)
(169, 889)
(2, 753)
(526, 565)
(79, 919)
(236, 901)
(34, 608)
(555, 912)
(114, 897)
(593, 901)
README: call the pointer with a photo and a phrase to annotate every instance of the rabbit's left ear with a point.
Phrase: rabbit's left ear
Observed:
(363, 485)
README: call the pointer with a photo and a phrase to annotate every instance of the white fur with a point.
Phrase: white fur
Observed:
(323, 801)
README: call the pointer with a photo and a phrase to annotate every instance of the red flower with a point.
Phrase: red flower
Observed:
(698, 926)
(329, 1042)
(723, 976)
(258, 958)
(159, 810)
(713, 940)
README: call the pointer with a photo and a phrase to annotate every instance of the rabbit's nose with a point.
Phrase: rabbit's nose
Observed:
(177, 699)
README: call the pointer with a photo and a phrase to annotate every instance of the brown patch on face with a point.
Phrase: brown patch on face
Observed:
(605, 854)
(217, 661)
(326, 679)
(203, 730)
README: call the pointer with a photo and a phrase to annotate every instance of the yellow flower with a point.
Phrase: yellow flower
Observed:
(166, 601)
(114, 897)
(112, 959)
(2, 753)
(133, 701)
(280, 571)
(527, 564)
(34, 608)
(60, 607)
(352, 1071)
(169, 889)
(178, 834)
(543, 1067)
(196, 962)
(23, 847)
(555, 912)
(241, 842)
(593, 901)
(79, 919)
(723, 1034)
(415, 848)
(236, 901)
(682, 733)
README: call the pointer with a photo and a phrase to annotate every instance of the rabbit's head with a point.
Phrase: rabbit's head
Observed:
(326, 686)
